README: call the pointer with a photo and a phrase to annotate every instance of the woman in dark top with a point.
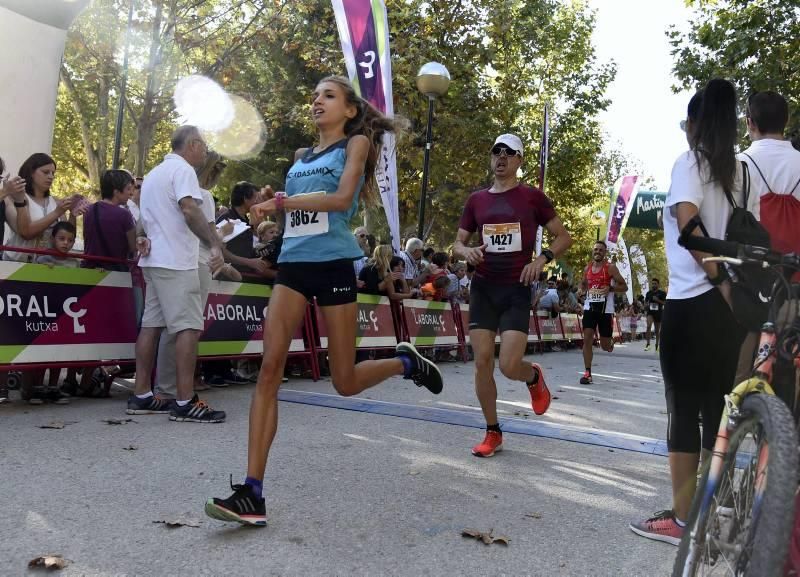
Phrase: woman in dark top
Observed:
(378, 276)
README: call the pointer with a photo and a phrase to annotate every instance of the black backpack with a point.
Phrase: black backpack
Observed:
(750, 284)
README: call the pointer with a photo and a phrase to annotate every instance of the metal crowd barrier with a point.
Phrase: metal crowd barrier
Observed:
(80, 317)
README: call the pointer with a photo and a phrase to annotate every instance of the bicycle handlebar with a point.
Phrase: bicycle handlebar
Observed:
(747, 253)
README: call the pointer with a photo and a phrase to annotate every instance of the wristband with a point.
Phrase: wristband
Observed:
(22, 204)
(548, 254)
(279, 198)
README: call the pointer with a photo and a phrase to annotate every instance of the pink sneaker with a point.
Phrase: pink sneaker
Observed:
(660, 527)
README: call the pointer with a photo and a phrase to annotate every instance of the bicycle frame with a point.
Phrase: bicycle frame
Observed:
(760, 383)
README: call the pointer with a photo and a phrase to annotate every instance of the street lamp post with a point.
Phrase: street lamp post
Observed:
(433, 79)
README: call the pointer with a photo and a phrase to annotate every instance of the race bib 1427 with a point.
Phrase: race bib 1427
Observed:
(502, 238)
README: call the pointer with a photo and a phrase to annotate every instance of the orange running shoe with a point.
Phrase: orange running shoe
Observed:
(492, 442)
(540, 394)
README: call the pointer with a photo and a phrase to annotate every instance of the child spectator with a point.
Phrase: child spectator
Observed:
(269, 244)
(108, 227)
(436, 271)
(633, 319)
(62, 240)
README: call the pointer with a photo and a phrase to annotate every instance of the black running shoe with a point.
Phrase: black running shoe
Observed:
(149, 406)
(241, 507)
(424, 373)
(586, 379)
(195, 411)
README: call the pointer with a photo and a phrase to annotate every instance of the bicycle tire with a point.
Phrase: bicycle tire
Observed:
(770, 540)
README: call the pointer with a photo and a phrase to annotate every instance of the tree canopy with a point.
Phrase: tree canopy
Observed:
(507, 59)
(753, 44)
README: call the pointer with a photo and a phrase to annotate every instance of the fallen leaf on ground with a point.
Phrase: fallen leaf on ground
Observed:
(48, 562)
(560, 391)
(130, 448)
(486, 537)
(534, 515)
(555, 398)
(181, 522)
(413, 472)
(118, 421)
(57, 424)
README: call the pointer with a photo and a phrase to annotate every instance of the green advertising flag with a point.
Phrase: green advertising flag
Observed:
(646, 210)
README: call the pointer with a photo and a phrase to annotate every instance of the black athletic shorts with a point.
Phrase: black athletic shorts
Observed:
(600, 322)
(332, 282)
(655, 315)
(498, 307)
(700, 342)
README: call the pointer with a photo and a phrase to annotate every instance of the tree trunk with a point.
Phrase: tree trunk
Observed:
(93, 164)
(147, 121)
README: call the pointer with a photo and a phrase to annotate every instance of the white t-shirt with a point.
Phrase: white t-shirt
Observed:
(687, 279)
(36, 212)
(133, 208)
(172, 244)
(780, 164)
(412, 270)
(209, 215)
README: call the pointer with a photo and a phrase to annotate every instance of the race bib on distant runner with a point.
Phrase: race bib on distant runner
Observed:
(306, 222)
(502, 238)
(596, 295)
(653, 306)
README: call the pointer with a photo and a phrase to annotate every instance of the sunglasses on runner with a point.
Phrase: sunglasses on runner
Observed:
(504, 151)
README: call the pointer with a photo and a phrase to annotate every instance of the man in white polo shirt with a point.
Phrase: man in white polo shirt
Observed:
(174, 223)
(774, 167)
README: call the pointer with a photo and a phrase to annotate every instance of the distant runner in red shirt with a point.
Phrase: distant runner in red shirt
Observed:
(506, 217)
(601, 280)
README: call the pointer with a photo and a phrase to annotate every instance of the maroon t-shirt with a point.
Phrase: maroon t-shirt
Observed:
(115, 222)
(507, 223)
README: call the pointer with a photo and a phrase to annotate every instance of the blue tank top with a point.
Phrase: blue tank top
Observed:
(319, 237)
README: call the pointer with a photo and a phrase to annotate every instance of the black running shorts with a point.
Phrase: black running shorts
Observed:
(332, 282)
(499, 308)
(655, 315)
(602, 323)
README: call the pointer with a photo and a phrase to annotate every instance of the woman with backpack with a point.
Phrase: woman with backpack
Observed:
(700, 336)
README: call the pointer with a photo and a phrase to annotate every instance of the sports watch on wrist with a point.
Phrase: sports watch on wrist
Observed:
(548, 254)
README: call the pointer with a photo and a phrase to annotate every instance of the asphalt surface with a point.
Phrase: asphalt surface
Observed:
(349, 491)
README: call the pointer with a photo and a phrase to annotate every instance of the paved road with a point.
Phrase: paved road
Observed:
(352, 490)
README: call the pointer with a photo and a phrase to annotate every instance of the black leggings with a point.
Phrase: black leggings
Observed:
(700, 341)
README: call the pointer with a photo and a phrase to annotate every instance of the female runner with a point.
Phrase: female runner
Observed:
(322, 194)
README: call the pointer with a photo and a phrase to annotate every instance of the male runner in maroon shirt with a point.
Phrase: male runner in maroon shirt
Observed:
(507, 217)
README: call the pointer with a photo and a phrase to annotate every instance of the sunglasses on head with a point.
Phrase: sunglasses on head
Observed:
(504, 150)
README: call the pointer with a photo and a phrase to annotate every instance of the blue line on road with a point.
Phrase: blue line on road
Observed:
(584, 436)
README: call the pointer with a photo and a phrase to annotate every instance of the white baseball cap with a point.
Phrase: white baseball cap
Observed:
(510, 140)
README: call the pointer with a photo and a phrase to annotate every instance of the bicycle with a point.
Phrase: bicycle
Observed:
(744, 505)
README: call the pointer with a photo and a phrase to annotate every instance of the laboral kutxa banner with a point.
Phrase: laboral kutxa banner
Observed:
(430, 322)
(374, 323)
(64, 314)
(234, 320)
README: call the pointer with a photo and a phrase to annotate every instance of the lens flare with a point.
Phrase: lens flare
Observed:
(203, 103)
(244, 137)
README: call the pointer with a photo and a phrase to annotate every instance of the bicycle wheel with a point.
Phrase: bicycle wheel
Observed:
(744, 531)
